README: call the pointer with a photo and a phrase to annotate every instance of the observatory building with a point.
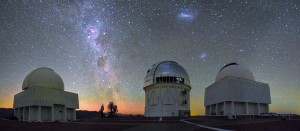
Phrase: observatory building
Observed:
(167, 90)
(236, 93)
(43, 98)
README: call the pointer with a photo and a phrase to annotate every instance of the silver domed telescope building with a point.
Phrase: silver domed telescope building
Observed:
(43, 98)
(236, 93)
(167, 89)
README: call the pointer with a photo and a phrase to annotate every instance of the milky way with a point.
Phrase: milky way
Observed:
(102, 49)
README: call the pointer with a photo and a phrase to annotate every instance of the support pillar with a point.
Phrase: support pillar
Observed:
(146, 103)
(29, 114)
(224, 108)
(74, 115)
(160, 102)
(65, 114)
(52, 113)
(23, 113)
(15, 112)
(216, 109)
(232, 104)
(247, 108)
(18, 115)
(258, 108)
(209, 109)
(39, 114)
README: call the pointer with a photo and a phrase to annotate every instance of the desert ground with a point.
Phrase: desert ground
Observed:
(151, 124)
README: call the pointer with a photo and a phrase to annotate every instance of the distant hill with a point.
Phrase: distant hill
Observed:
(6, 113)
(83, 114)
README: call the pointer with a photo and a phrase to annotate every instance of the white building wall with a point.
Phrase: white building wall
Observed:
(245, 90)
(24, 98)
(236, 93)
(216, 93)
(48, 97)
(237, 89)
(43, 104)
(45, 97)
(166, 100)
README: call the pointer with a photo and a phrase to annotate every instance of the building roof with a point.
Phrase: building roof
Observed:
(166, 68)
(43, 77)
(236, 70)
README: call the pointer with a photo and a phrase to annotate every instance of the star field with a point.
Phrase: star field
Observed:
(102, 49)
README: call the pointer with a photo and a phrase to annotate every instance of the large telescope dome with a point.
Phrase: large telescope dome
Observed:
(236, 70)
(43, 77)
(166, 71)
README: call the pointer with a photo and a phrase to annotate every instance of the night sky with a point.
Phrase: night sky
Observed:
(102, 49)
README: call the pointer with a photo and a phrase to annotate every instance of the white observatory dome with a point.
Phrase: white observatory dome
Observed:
(236, 70)
(166, 68)
(43, 77)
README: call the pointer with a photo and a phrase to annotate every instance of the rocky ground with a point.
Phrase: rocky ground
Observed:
(149, 124)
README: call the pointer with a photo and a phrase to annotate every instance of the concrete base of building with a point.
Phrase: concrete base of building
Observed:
(45, 113)
(233, 108)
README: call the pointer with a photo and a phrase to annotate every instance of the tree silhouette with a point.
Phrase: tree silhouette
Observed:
(113, 109)
(101, 111)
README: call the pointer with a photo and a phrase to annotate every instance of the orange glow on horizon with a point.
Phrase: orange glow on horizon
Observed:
(6, 100)
(124, 107)
(280, 104)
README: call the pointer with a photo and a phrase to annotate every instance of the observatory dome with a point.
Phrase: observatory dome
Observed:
(236, 70)
(43, 77)
(164, 69)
